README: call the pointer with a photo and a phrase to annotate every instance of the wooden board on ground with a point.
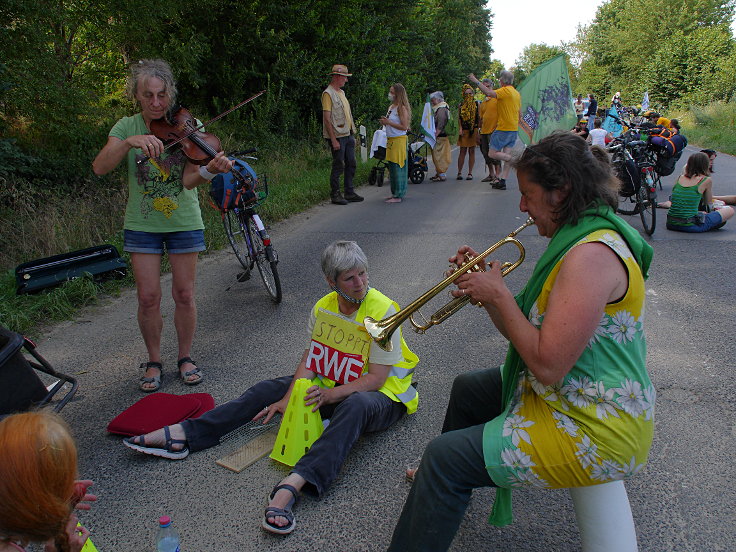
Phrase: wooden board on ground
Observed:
(249, 453)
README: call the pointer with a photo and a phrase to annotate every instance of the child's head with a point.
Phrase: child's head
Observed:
(38, 467)
(597, 123)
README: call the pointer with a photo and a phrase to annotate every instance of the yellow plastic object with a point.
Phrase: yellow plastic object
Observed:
(88, 546)
(300, 427)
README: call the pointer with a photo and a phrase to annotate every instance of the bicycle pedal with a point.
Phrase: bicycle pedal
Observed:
(243, 276)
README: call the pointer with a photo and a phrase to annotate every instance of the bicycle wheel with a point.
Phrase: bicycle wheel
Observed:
(235, 233)
(266, 259)
(647, 204)
(627, 205)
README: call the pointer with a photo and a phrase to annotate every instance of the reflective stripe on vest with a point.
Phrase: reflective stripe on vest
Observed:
(408, 395)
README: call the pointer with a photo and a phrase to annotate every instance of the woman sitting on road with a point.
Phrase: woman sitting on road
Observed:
(367, 401)
(693, 187)
(38, 487)
(573, 404)
(718, 201)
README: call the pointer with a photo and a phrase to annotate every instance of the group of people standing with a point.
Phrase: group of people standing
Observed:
(491, 124)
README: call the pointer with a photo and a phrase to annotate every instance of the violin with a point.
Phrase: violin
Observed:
(180, 127)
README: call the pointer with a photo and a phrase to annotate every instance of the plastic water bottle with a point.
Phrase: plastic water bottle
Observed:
(167, 539)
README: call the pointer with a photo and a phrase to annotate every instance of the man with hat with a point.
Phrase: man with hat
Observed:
(338, 129)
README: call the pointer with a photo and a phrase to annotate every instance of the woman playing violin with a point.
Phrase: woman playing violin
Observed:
(162, 212)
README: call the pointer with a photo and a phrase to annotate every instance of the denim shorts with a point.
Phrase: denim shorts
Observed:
(711, 221)
(503, 139)
(189, 241)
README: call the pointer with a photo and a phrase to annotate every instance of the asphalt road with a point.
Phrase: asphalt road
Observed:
(684, 500)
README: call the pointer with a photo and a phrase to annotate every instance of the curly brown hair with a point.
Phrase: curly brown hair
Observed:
(563, 161)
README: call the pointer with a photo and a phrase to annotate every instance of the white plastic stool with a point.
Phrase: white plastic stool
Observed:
(604, 518)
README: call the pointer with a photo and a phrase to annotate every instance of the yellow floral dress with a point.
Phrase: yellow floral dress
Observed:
(596, 424)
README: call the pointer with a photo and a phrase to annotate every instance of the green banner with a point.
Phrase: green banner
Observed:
(546, 101)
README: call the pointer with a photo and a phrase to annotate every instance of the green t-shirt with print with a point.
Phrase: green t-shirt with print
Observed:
(157, 199)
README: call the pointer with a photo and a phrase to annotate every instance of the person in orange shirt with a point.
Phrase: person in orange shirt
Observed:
(507, 127)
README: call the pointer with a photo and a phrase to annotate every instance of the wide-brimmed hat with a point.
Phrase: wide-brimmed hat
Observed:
(341, 70)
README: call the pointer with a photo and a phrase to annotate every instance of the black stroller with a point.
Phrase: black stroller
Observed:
(20, 386)
(416, 156)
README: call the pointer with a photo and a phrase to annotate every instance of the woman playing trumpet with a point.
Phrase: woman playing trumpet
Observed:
(572, 405)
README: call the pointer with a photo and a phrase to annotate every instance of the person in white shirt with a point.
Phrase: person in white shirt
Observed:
(598, 136)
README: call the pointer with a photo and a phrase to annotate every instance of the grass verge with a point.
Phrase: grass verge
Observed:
(712, 126)
(298, 179)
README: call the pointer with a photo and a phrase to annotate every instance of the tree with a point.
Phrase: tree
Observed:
(678, 51)
(535, 55)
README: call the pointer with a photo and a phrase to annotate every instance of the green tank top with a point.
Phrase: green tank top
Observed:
(685, 202)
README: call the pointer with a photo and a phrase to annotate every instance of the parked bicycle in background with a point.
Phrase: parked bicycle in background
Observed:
(237, 195)
(634, 164)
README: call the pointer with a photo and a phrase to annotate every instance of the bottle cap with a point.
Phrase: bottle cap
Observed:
(164, 521)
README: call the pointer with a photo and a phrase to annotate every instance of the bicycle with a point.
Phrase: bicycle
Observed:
(634, 164)
(246, 232)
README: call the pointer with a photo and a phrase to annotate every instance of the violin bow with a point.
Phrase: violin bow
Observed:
(217, 118)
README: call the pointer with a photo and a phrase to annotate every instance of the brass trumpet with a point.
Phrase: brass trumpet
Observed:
(382, 330)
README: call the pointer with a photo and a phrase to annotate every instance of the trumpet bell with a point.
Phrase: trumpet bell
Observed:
(380, 331)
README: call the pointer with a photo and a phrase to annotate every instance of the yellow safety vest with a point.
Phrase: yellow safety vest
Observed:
(332, 333)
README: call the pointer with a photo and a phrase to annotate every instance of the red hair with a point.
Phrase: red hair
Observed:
(38, 468)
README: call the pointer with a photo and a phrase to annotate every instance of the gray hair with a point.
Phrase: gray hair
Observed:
(340, 256)
(152, 68)
(506, 77)
(439, 96)
(487, 81)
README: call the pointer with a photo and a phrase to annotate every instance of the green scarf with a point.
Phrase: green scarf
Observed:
(596, 218)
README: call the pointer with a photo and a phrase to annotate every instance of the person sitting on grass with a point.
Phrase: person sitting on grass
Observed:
(372, 396)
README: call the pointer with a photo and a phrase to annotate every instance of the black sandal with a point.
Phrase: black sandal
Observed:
(287, 512)
(155, 380)
(190, 373)
(167, 451)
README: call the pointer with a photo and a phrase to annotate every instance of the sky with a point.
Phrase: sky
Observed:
(518, 23)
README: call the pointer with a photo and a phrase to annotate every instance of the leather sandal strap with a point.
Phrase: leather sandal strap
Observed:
(170, 441)
(289, 488)
(272, 511)
(184, 360)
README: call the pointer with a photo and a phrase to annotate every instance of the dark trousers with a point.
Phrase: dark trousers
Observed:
(343, 161)
(360, 413)
(485, 145)
(452, 466)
